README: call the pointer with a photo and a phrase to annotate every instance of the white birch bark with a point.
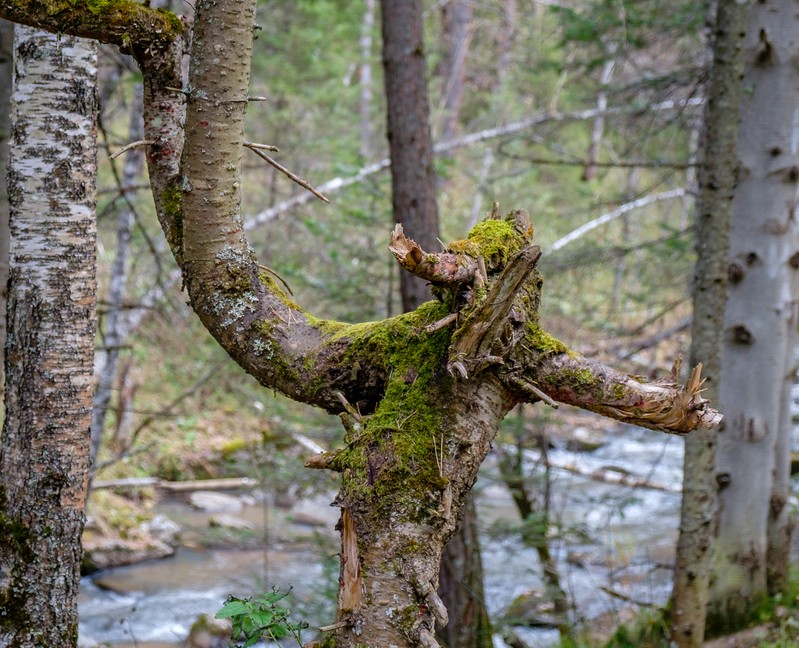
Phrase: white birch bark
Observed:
(44, 455)
(6, 38)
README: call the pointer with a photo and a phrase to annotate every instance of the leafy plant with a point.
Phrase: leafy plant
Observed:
(262, 617)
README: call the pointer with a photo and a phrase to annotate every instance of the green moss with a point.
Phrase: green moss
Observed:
(100, 6)
(494, 240)
(392, 461)
(539, 340)
(230, 448)
(618, 391)
(270, 284)
(172, 201)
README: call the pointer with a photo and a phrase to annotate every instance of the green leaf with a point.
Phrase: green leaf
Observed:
(262, 618)
(233, 607)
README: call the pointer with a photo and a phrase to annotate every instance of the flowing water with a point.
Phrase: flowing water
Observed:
(615, 539)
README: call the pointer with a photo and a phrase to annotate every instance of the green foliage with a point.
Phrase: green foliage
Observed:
(261, 617)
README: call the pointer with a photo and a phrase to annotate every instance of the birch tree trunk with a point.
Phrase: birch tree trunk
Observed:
(6, 67)
(760, 321)
(713, 212)
(44, 456)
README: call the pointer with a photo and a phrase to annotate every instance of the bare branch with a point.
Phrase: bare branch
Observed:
(468, 140)
(606, 218)
(665, 406)
(441, 267)
(265, 147)
(255, 148)
(130, 146)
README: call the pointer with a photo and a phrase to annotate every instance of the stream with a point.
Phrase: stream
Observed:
(614, 539)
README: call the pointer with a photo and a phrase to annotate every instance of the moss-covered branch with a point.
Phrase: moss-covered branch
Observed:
(133, 26)
(662, 405)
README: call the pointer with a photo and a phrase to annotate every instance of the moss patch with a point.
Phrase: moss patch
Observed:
(393, 455)
(494, 240)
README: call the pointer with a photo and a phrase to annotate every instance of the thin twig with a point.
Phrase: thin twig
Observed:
(264, 147)
(532, 390)
(276, 275)
(132, 145)
(287, 173)
(442, 323)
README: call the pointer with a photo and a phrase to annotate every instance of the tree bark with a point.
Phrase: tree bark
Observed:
(461, 586)
(6, 69)
(44, 456)
(714, 206)
(760, 323)
(413, 181)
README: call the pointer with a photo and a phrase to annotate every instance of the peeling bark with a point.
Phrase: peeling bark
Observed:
(6, 56)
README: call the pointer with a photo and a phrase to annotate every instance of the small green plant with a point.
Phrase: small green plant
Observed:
(262, 617)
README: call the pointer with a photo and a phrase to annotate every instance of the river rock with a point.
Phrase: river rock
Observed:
(227, 521)
(215, 502)
(533, 608)
(102, 553)
(163, 529)
(208, 632)
(584, 440)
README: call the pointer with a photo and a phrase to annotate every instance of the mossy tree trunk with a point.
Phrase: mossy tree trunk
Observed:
(45, 451)
(454, 366)
(717, 177)
(415, 206)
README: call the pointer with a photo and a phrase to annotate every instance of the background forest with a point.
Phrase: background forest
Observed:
(586, 113)
(549, 73)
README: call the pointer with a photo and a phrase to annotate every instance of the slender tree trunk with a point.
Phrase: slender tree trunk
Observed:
(413, 181)
(512, 472)
(6, 68)
(461, 587)
(113, 331)
(365, 74)
(598, 129)
(760, 322)
(456, 17)
(44, 456)
(716, 184)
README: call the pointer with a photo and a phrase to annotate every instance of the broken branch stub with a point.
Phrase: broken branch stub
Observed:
(438, 268)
